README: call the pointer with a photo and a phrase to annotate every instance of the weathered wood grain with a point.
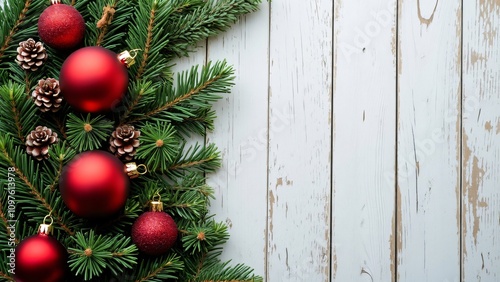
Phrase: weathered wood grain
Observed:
(241, 132)
(364, 141)
(300, 85)
(481, 140)
(429, 93)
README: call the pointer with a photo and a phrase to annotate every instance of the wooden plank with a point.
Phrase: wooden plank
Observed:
(300, 140)
(364, 141)
(481, 139)
(241, 135)
(429, 73)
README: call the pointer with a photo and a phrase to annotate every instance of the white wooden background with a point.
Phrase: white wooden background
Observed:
(362, 140)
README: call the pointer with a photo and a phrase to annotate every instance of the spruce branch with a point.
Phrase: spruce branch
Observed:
(51, 68)
(6, 277)
(108, 14)
(87, 133)
(17, 119)
(159, 146)
(190, 205)
(59, 124)
(57, 175)
(201, 122)
(93, 254)
(147, 44)
(194, 181)
(7, 40)
(159, 269)
(189, 26)
(206, 237)
(195, 89)
(28, 174)
(196, 158)
(223, 272)
(61, 155)
(107, 23)
(17, 23)
(146, 189)
(146, 34)
(17, 111)
(23, 77)
(140, 94)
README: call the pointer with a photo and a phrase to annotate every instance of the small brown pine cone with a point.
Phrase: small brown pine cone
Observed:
(124, 142)
(31, 55)
(47, 95)
(38, 142)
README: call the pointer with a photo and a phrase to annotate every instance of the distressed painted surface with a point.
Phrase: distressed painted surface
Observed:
(429, 71)
(364, 139)
(300, 85)
(241, 133)
(481, 140)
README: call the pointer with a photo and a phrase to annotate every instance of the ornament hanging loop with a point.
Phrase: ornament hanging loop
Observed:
(48, 216)
(128, 57)
(156, 205)
(134, 52)
(133, 170)
(46, 229)
(157, 195)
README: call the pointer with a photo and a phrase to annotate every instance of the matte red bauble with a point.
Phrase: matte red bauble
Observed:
(93, 79)
(94, 185)
(40, 258)
(61, 26)
(154, 233)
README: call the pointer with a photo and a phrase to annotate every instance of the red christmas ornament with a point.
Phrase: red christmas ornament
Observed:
(93, 79)
(94, 185)
(154, 232)
(41, 258)
(61, 26)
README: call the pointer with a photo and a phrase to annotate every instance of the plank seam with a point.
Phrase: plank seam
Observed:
(460, 134)
(266, 257)
(330, 241)
(396, 148)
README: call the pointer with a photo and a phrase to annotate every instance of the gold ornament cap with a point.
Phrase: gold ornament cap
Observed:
(133, 170)
(46, 229)
(128, 57)
(156, 205)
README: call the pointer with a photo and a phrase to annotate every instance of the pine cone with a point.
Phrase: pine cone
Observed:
(31, 55)
(38, 142)
(124, 142)
(47, 95)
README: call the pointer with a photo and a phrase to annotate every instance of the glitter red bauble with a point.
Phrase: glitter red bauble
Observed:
(94, 185)
(61, 26)
(40, 258)
(93, 80)
(154, 233)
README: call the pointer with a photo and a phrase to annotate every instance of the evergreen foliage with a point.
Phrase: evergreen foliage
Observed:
(166, 113)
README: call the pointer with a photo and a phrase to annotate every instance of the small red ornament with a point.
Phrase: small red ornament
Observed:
(154, 232)
(94, 185)
(93, 79)
(61, 26)
(41, 258)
